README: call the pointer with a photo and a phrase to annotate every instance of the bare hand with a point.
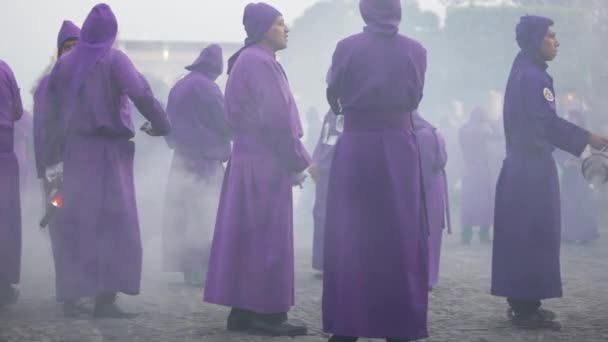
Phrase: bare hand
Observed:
(314, 173)
(147, 127)
(298, 179)
(598, 142)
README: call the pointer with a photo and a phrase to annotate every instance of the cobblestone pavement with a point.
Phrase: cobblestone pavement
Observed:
(461, 308)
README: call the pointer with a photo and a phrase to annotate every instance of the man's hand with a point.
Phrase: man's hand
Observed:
(314, 172)
(298, 179)
(147, 127)
(598, 142)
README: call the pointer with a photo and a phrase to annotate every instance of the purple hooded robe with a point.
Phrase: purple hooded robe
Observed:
(376, 236)
(525, 262)
(89, 129)
(322, 157)
(433, 156)
(11, 110)
(200, 138)
(252, 262)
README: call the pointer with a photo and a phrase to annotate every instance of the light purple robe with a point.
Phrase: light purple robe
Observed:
(376, 236)
(252, 261)
(478, 181)
(200, 138)
(322, 157)
(434, 158)
(11, 110)
(99, 246)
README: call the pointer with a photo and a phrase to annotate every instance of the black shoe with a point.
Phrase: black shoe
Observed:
(263, 328)
(9, 296)
(337, 338)
(547, 314)
(237, 322)
(111, 311)
(535, 321)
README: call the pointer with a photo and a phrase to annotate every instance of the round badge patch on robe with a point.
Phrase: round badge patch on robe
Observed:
(548, 95)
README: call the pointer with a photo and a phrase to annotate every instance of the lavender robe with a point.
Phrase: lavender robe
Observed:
(527, 230)
(251, 265)
(200, 139)
(478, 182)
(11, 110)
(376, 240)
(322, 158)
(434, 159)
(579, 209)
(98, 231)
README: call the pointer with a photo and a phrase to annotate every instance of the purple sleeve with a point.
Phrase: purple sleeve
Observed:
(557, 131)
(16, 104)
(441, 155)
(274, 112)
(217, 113)
(132, 83)
(53, 138)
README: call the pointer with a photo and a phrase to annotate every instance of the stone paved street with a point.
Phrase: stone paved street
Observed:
(460, 309)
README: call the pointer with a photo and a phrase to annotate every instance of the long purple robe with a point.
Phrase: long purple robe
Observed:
(527, 230)
(90, 130)
(478, 182)
(579, 209)
(434, 158)
(68, 31)
(252, 262)
(200, 138)
(376, 240)
(11, 110)
(322, 157)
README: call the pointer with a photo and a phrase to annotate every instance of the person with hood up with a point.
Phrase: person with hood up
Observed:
(200, 139)
(375, 280)
(527, 220)
(88, 145)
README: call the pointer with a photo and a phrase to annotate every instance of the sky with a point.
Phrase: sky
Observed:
(28, 32)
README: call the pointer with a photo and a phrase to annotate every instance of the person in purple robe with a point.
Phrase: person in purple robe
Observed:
(66, 40)
(88, 145)
(478, 182)
(251, 267)
(200, 139)
(579, 209)
(376, 235)
(11, 110)
(526, 260)
(322, 157)
(433, 158)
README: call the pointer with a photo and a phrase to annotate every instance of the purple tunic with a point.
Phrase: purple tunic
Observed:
(68, 31)
(11, 110)
(434, 158)
(251, 265)
(322, 157)
(200, 138)
(527, 231)
(90, 130)
(376, 240)
(478, 182)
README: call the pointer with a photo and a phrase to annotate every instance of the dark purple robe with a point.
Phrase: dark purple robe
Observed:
(200, 138)
(376, 238)
(527, 229)
(11, 110)
(89, 129)
(322, 158)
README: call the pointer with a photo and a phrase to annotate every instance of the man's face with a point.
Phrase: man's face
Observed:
(67, 46)
(549, 45)
(276, 37)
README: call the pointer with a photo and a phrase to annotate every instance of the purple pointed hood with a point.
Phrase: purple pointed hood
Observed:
(381, 16)
(210, 61)
(96, 39)
(67, 32)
